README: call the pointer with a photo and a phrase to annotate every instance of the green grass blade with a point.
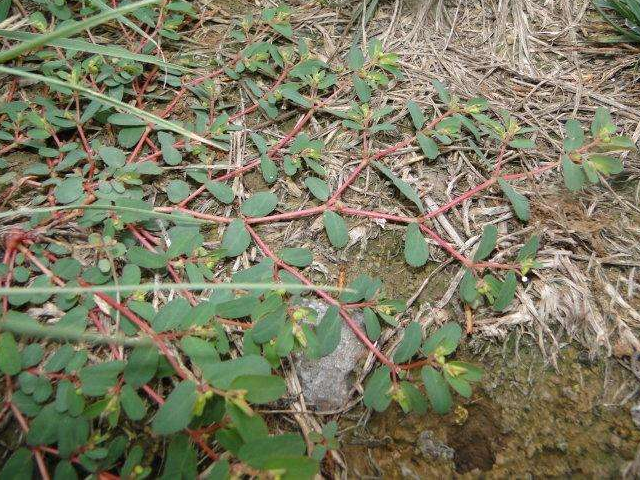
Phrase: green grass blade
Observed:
(28, 212)
(146, 116)
(71, 29)
(125, 21)
(82, 46)
(149, 287)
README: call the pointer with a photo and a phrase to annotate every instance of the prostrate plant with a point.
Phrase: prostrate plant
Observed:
(151, 338)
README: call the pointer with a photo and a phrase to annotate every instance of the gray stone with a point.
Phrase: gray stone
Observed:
(635, 414)
(433, 448)
(327, 381)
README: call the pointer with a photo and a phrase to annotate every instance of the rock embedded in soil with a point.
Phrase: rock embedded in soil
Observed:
(433, 448)
(326, 382)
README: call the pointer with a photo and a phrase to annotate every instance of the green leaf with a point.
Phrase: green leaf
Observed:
(201, 353)
(529, 249)
(329, 331)
(113, 157)
(45, 426)
(222, 374)
(409, 344)
(336, 229)
(10, 363)
(295, 468)
(362, 89)
(468, 371)
(239, 307)
(575, 135)
(371, 324)
(460, 385)
(222, 192)
(19, 466)
(269, 169)
(376, 393)
(260, 388)
(468, 289)
(428, 145)
(260, 204)
(443, 93)
(444, 341)
(355, 59)
(518, 201)
(411, 399)
(406, 189)
(602, 125)
(507, 292)
(417, 117)
(416, 249)
(141, 365)
(176, 412)
(144, 258)
(69, 190)
(177, 190)
(170, 154)
(574, 177)
(606, 165)
(487, 243)
(318, 188)
(181, 461)
(236, 239)
(298, 257)
(523, 143)
(132, 404)
(257, 452)
(437, 390)
(67, 268)
(96, 380)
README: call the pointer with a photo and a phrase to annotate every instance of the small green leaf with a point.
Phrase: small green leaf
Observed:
(176, 412)
(329, 331)
(298, 257)
(177, 190)
(10, 363)
(362, 89)
(409, 344)
(529, 249)
(318, 188)
(574, 177)
(428, 145)
(260, 388)
(376, 393)
(18, 466)
(236, 239)
(459, 384)
(69, 190)
(575, 135)
(222, 374)
(260, 204)
(269, 169)
(417, 117)
(141, 365)
(605, 164)
(406, 189)
(443, 93)
(132, 404)
(170, 154)
(437, 390)
(524, 143)
(112, 157)
(518, 201)
(416, 249)
(507, 292)
(468, 288)
(371, 324)
(336, 229)
(487, 242)
(222, 192)
(97, 380)
(445, 340)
